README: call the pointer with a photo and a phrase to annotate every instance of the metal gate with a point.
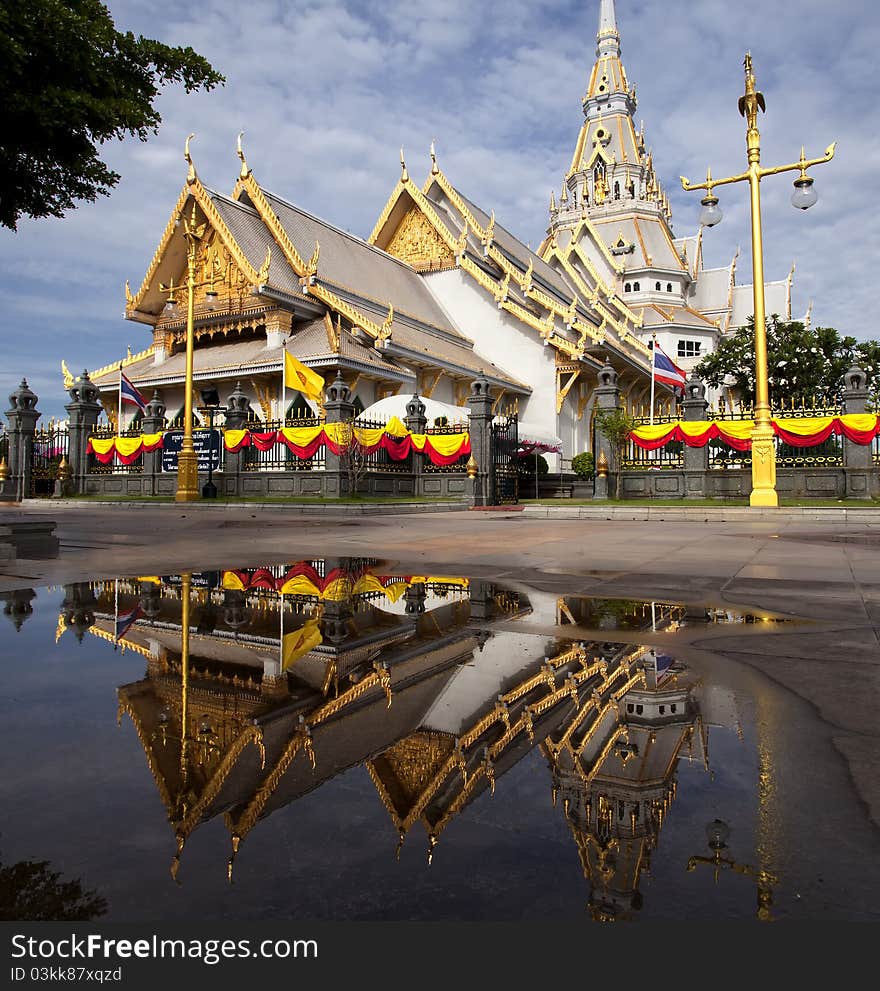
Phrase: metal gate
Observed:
(505, 477)
(50, 448)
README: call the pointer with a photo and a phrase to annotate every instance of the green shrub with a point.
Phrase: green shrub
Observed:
(526, 465)
(582, 465)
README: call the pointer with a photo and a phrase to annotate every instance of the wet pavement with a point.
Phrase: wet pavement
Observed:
(442, 717)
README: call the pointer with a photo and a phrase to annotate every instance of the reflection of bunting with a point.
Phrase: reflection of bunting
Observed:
(860, 428)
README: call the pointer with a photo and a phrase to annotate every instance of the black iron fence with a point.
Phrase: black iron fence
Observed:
(51, 446)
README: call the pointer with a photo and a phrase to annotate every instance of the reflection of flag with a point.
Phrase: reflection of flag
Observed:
(301, 641)
(299, 376)
(126, 621)
(665, 369)
(129, 394)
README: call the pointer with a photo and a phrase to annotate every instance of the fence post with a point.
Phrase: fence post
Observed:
(608, 398)
(236, 419)
(480, 428)
(860, 475)
(417, 423)
(153, 423)
(339, 409)
(22, 416)
(696, 459)
(83, 411)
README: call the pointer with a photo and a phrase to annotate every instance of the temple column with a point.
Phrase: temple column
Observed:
(607, 398)
(861, 481)
(22, 415)
(153, 423)
(236, 419)
(480, 428)
(696, 459)
(417, 423)
(339, 408)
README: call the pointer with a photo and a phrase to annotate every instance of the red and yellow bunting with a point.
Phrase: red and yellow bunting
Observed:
(126, 449)
(860, 428)
(303, 442)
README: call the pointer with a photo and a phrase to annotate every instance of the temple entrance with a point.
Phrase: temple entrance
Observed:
(505, 477)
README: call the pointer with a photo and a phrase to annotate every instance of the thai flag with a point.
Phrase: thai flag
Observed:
(129, 394)
(126, 621)
(666, 371)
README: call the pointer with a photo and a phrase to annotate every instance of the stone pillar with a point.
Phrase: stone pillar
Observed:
(861, 478)
(22, 415)
(83, 411)
(696, 459)
(236, 419)
(417, 423)
(153, 422)
(480, 428)
(78, 608)
(339, 408)
(607, 398)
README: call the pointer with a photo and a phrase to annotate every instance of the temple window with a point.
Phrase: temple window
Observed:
(673, 707)
(629, 707)
(627, 287)
(657, 286)
(617, 190)
(668, 287)
(639, 709)
(689, 349)
(662, 710)
(636, 287)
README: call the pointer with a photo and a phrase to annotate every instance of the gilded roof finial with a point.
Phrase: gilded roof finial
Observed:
(490, 229)
(553, 201)
(263, 274)
(245, 171)
(129, 299)
(435, 168)
(404, 177)
(68, 377)
(191, 174)
(563, 196)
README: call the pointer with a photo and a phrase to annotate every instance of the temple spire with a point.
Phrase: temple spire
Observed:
(607, 37)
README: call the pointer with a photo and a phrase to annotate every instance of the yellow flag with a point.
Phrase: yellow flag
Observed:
(299, 376)
(295, 645)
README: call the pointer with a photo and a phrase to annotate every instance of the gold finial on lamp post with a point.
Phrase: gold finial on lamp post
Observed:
(763, 452)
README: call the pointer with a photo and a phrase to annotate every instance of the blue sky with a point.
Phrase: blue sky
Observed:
(327, 92)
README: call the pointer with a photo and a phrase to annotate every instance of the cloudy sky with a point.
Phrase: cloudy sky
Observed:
(327, 92)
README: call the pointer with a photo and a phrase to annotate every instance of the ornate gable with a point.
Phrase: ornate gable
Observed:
(416, 242)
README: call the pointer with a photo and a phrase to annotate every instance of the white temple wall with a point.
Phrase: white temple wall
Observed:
(502, 340)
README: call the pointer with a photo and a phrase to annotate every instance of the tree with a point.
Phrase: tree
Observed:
(70, 82)
(616, 425)
(31, 891)
(804, 364)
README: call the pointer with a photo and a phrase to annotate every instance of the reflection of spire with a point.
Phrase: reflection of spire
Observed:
(18, 605)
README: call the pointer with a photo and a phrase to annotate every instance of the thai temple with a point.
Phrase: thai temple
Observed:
(441, 291)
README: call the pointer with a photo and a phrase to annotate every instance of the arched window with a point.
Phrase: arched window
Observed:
(627, 287)
(657, 286)
(636, 287)
(668, 287)
(617, 190)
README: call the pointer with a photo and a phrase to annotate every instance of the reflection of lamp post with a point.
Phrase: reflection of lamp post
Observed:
(211, 399)
(194, 233)
(763, 453)
(717, 834)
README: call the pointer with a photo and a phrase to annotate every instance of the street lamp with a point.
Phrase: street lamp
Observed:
(194, 233)
(763, 453)
(717, 835)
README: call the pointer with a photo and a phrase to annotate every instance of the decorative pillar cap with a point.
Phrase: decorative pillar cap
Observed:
(23, 398)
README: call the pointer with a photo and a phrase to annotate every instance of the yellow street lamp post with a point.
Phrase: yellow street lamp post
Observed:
(763, 452)
(194, 233)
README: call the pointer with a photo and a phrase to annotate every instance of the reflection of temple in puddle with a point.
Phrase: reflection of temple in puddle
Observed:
(245, 708)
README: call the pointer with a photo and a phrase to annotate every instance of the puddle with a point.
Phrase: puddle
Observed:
(328, 739)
